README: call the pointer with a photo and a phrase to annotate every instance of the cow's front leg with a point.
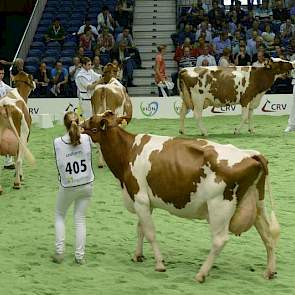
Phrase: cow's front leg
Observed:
(101, 162)
(18, 169)
(198, 116)
(244, 118)
(182, 117)
(219, 224)
(250, 121)
(142, 208)
(138, 256)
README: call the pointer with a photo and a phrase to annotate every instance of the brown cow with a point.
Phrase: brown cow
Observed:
(195, 179)
(24, 84)
(201, 87)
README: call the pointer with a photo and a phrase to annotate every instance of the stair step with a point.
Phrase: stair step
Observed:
(151, 21)
(154, 42)
(164, 3)
(156, 15)
(154, 28)
(154, 35)
(153, 48)
(152, 9)
(151, 63)
(143, 81)
(152, 55)
(143, 91)
(149, 72)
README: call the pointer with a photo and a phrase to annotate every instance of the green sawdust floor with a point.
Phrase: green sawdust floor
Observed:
(27, 228)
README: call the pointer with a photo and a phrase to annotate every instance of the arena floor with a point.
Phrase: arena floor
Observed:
(27, 228)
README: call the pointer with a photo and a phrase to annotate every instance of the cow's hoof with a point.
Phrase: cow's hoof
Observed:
(16, 185)
(200, 277)
(160, 267)
(1, 190)
(269, 275)
(100, 166)
(236, 132)
(181, 132)
(139, 258)
(252, 131)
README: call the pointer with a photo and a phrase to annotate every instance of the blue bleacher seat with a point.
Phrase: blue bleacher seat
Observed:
(45, 22)
(35, 53)
(67, 61)
(54, 52)
(68, 52)
(49, 60)
(69, 44)
(32, 60)
(42, 29)
(31, 69)
(53, 44)
(38, 37)
(37, 45)
(47, 15)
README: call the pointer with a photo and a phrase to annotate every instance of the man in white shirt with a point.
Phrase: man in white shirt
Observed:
(291, 121)
(4, 89)
(105, 19)
(86, 80)
(260, 59)
(206, 59)
(87, 24)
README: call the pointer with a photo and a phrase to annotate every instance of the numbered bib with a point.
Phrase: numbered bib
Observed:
(74, 162)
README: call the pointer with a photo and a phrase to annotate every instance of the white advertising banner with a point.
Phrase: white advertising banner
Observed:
(163, 108)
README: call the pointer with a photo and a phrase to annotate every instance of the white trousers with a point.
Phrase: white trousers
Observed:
(86, 108)
(8, 160)
(81, 196)
(291, 121)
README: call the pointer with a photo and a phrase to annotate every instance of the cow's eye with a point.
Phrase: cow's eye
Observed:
(94, 129)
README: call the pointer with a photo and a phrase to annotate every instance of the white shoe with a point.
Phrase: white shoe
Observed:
(290, 129)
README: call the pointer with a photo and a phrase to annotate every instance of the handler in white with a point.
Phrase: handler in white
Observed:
(73, 159)
(4, 89)
(291, 121)
(86, 80)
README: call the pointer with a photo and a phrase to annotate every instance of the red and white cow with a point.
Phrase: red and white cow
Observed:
(189, 178)
(201, 87)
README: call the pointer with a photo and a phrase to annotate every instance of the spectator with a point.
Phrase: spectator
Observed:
(59, 79)
(287, 29)
(105, 43)
(121, 18)
(259, 46)
(263, 13)
(87, 24)
(260, 59)
(290, 49)
(105, 19)
(221, 42)
(80, 52)
(280, 13)
(187, 33)
(268, 36)
(235, 41)
(202, 47)
(73, 71)
(216, 14)
(97, 67)
(126, 36)
(119, 72)
(279, 52)
(255, 27)
(204, 29)
(55, 32)
(242, 58)
(251, 44)
(225, 59)
(86, 39)
(206, 59)
(179, 49)
(122, 55)
(160, 71)
(195, 14)
(236, 49)
(42, 79)
(17, 65)
(239, 12)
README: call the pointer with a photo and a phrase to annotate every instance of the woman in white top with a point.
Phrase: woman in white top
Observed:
(73, 160)
(224, 60)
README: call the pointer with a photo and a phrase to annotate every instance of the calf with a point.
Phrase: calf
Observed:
(201, 87)
(188, 178)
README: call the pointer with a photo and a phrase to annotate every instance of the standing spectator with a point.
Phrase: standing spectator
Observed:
(105, 43)
(105, 19)
(221, 42)
(260, 60)
(73, 160)
(125, 35)
(73, 71)
(206, 59)
(242, 58)
(42, 79)
(122, 55)
(160, 71)
(59, 79)
(291, 121)
(225, 59)
(97, 67)
(55, 32)
(92, 28)
(86, 39)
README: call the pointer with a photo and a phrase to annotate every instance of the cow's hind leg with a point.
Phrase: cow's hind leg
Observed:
(198, 116)
(244, 118)
(250, 121)
(220, 213)
(182, 117)
(18, 169)
(138, 256)
(142, 208)
(263, 227)
(101, 162)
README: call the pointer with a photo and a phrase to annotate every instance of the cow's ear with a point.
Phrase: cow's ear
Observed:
(123, 121)
(103, 124)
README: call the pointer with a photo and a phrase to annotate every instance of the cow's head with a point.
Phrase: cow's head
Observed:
(110, 71)
(100, 124)
(279, 66)
(24, 84)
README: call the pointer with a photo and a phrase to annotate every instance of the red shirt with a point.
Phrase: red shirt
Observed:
(160, 64)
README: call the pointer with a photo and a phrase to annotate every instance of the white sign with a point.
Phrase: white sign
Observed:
(163, 108)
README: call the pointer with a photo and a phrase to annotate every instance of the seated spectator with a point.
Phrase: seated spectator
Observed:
(59, 80)
(97, 67)
(280, 13)
(122, 55)
(204, 31)
(235, 40)
(260, 59)
(121, 18)
(87, 24)
(55, 32)
(239, 12)
(225, 59)
(290, 49)
(186, 33)
(80, 52)
(268, 36)
(221, 42)
(105, 43)
(126, 36)
(179, 49)
(73, 71)
(86, 39)
(262, 49)
(251, 43)
(242, 58)
(206, 59)
(195, 14)
(255, 27)
(263, 13)
(202, 47)
(120, 71)
(236, 49)
(216, 14)
(279, 52)
(287, 29)
(105, 19)
(259, 46)
(42, 79)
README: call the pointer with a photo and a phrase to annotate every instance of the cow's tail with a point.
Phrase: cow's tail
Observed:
(184, 92)
(274, 226)
(27, 152)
